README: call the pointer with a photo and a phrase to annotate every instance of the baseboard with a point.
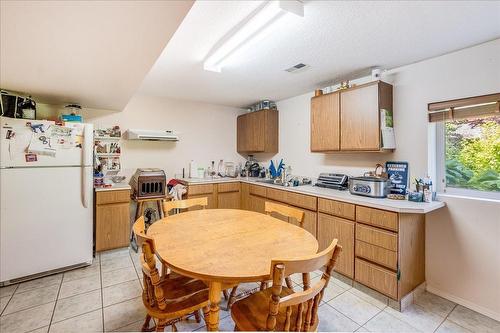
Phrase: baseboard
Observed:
(463, 302)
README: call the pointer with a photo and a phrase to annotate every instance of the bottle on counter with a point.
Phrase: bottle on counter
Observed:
(193, 169)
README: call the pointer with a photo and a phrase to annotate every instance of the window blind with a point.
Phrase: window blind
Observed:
(465, 108)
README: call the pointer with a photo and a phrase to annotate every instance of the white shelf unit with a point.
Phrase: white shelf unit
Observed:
(107, 150)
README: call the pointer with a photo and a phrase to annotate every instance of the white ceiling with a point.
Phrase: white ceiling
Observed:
(95, 53)
(336, 38)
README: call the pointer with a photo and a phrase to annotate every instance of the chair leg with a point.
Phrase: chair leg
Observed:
(236, 329)
(145, 326)
(289, 283)
(230, 300)
(206, 313)
(160, 326)
(197, 316)
(263, 285)
(174, 328)
(226, 296)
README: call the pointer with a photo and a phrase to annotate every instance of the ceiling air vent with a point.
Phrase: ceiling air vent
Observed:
(296, 68)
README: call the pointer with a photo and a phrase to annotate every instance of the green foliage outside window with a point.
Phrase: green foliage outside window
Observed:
(473, 154)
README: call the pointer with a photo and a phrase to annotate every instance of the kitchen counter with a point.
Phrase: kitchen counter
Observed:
(399, 206)
(114, 187)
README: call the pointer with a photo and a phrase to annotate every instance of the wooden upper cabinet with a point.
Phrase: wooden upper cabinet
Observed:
(257, 132)
(325, 123)
(360, 116)
(349, 120)
(360, 128)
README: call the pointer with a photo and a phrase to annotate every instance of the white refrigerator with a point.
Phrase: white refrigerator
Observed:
(46, 210)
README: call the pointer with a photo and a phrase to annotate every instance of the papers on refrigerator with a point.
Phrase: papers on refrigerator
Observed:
(40, 143)
(61, 137)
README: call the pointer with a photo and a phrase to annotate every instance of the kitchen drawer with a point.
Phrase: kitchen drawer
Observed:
(301, 200)
(337, 208)
(385, 239)
(377, 254)
(376, 277)
(109, 197)
(377, 217)
(258, 190)
(228, 187)
(277, 195)
(200, 189)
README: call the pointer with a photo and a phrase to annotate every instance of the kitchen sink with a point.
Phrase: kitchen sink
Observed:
(267, 181)
(271, 181)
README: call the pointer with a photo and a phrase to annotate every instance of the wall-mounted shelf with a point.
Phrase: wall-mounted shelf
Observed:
(107, 150)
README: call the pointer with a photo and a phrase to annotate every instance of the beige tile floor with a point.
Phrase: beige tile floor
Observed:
(106, 296)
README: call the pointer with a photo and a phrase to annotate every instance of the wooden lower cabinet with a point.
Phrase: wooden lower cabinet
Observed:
(223, 195)
(256, 204)
(228, 196)
(310, 222)
(331, 227)
(228, 200)
(212, 200)
(380, 249)
(112, 219)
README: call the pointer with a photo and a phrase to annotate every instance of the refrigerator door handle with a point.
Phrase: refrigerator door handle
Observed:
(85, 200)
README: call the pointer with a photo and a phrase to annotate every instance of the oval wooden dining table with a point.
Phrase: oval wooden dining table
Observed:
(224, 247)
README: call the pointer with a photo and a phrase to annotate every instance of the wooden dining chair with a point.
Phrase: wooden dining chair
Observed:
(167, 298)
(279, 211)
(290, 213)
(279, 308)
(168, 206)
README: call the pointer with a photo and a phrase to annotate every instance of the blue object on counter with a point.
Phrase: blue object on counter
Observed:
(280, 168)
(272, 170)
(415, 196)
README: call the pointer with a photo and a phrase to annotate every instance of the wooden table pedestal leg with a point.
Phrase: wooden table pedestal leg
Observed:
(214, 298)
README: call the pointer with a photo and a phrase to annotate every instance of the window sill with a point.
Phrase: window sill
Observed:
(455, 196)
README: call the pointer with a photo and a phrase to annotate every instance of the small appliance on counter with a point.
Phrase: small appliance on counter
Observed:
(369, 186)
(335, 181)
(251, 168)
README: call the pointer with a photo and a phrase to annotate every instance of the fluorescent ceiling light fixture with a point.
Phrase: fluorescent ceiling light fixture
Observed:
(250, 30)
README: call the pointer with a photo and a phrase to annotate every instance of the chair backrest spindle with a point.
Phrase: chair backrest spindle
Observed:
(307, 301)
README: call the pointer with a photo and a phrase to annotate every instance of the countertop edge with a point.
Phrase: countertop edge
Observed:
(422, 208)
(113, 188)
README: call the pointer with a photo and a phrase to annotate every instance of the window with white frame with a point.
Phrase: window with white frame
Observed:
(468, 149)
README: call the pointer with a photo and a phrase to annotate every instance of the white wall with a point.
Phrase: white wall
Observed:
(207, 132)
(462, 244)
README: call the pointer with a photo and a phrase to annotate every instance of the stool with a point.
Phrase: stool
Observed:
(139, 211)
